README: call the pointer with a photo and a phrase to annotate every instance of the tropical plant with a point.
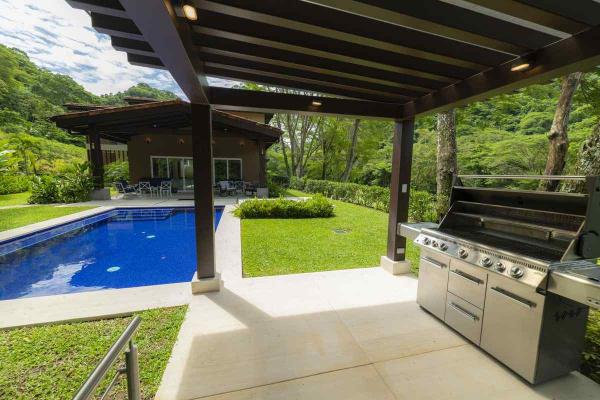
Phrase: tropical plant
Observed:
(116, 171)
(76, 183)
(44, 190)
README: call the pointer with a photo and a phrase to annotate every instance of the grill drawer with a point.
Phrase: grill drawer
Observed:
(464, 317)
(467, 282)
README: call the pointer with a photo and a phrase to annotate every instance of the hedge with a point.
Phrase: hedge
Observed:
(10, 184)
(421, 208)
(315, 207)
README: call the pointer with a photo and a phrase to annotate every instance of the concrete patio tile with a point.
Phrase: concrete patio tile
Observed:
(263, 352)
(360, 383)
(465, 373)
(398, 330)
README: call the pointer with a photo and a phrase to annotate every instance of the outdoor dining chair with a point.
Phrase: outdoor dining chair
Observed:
(165, 188)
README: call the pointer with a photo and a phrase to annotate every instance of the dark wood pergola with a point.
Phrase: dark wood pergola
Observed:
(369, 58)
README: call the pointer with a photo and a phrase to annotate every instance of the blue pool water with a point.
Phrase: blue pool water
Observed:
(118, 249)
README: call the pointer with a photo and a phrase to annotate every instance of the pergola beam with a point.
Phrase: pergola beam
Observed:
(170, 40)
(580, 52)
(269, 102)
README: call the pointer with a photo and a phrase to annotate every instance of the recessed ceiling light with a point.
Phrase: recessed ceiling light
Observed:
(190, 12)
(520, 67)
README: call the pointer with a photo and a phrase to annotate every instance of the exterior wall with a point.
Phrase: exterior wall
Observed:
(139, 152)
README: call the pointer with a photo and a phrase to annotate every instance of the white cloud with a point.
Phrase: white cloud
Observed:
(60, 39)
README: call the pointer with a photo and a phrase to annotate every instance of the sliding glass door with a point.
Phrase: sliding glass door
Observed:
(181, 170)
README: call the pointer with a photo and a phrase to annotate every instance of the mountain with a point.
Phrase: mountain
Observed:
(30, 94)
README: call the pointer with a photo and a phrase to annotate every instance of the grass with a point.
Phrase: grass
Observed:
(16, 217)
(289, 246)
(51, 362)
(16, 199)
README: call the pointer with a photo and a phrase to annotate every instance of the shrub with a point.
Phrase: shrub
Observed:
(421, 208)
(44, 190)
(116, 171)
(275, 189)
(76, 183)
(10, 184)
(315, 207)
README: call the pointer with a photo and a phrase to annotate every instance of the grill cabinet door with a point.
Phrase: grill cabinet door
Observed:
(433, 284)
(512, 322)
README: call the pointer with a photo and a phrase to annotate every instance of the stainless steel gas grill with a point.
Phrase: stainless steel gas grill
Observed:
(515, 273)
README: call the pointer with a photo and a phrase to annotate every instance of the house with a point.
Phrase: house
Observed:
(155, 138)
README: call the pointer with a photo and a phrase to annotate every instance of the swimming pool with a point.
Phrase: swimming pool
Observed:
(118, 249)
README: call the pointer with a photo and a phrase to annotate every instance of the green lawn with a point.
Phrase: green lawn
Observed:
(51, 362)
(15, 217)
(14, 199)
(288, 246)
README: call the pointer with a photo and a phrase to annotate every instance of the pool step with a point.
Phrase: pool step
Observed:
(141, 214)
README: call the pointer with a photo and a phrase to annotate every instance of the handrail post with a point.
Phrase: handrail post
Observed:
(133, 372)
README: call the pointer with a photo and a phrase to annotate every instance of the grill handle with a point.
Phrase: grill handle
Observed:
(435, 263)
(527, 177)
(463, 312)
(513, 297)
(466, 277)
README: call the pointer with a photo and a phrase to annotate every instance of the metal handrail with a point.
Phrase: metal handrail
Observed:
(131, 367)
(533, 177)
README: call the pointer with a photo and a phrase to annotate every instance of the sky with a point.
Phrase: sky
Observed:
(61, 39)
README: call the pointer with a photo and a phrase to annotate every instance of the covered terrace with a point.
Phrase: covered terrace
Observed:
(344, 334)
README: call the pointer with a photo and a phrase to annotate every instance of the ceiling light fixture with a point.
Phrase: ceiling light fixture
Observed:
(316, 103)
(521, 64)
(190, 12)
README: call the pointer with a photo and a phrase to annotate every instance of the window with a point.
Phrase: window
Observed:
(227, 169)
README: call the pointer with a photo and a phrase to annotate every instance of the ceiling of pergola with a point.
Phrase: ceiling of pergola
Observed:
(400, 52)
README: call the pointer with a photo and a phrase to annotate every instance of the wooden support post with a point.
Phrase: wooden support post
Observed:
(203, 192)
(96, 157)
(400, 187)
(262, 164)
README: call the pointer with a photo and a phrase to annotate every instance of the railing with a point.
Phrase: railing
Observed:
(534, 177)
(131, 368)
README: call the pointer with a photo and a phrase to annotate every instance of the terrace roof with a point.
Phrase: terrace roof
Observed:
(155, 117)
(375, 58)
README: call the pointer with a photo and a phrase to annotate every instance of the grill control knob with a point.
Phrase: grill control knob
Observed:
(462, 253)
(443, 246)
(500, 267)
(517, 272)
(426, 241)
(434, 243)
(487, 262)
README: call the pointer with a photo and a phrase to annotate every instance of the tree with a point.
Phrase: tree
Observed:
(558, 137)
(446, 158)
(351, 152)
(588, 161)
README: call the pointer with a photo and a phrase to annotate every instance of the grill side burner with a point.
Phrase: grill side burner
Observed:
(510, 271)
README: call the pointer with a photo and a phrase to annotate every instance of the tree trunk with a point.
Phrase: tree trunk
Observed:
(446, 159)
(351, 155)
(558, 137)
(588, 161)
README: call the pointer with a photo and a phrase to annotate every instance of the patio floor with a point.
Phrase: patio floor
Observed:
(352, 334)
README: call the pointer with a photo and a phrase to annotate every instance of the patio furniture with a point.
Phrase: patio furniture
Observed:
(239, 187)
(146, 187)
(226, 188)
(124, 188)
(249, 189)
(165, 188)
